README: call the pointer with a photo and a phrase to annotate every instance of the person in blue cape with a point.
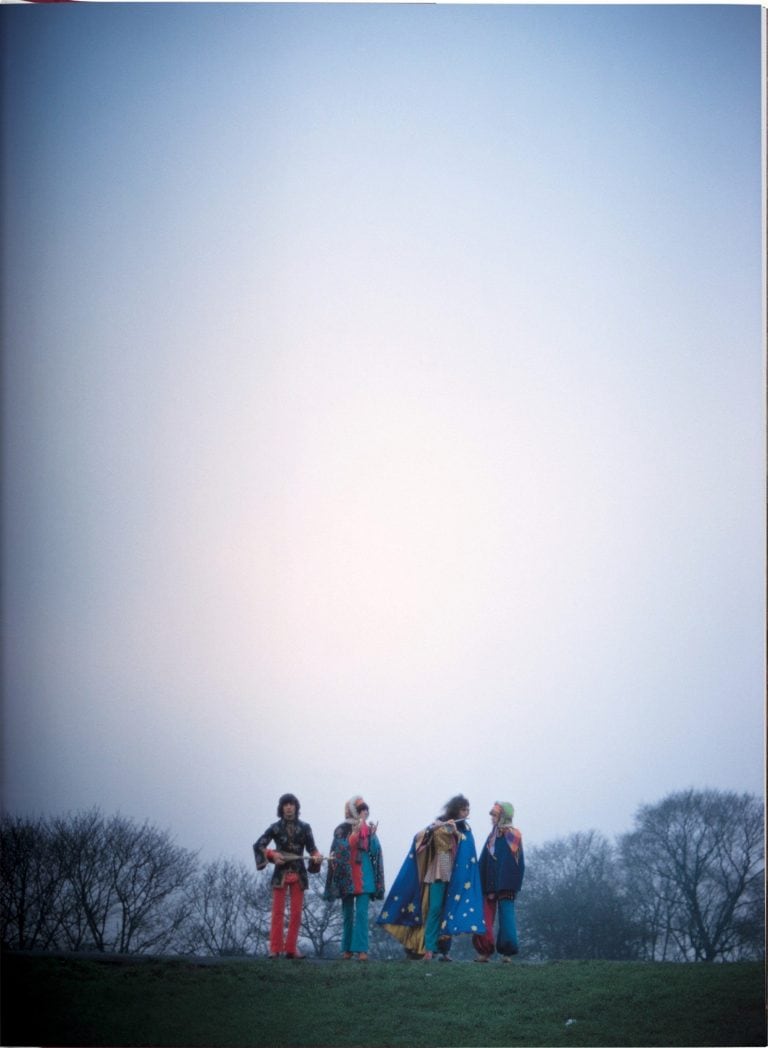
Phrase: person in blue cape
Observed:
(437, 892)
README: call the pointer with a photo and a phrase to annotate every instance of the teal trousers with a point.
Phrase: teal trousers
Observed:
(432, 927)
(354, 932)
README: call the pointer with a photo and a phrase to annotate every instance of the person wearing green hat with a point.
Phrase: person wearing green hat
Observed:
(502, 865)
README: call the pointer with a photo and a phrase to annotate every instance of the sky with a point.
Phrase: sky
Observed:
(383, 413)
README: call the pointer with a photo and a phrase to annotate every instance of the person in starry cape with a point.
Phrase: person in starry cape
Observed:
(437, 893)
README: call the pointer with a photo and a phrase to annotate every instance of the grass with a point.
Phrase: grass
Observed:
(75, 1002)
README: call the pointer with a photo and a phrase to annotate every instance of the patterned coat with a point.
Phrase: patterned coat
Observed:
(290, 837)
(341, 880)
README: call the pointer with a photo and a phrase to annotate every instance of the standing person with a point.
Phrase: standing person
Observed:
(290, 836)
(437, 892)
(355, 875)
(502, 865)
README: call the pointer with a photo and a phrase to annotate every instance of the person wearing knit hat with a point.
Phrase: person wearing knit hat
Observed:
(355, 875)
(502, 865)
(289, 881)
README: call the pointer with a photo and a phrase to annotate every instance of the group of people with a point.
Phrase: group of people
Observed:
(443, 888)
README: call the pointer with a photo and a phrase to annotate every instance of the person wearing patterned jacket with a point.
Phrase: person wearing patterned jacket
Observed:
(355, 875)
(290, 837)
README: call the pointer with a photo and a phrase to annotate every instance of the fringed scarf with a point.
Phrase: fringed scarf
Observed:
(505, 829)
(356, 824)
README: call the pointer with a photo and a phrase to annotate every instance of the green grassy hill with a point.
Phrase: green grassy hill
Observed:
(71, 1001)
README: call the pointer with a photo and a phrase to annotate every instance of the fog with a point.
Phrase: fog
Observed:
(383, 413)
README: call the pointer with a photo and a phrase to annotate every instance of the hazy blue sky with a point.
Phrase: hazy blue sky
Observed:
(383, 412)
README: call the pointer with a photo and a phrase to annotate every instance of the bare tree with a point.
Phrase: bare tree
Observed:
(572, 905)
(31, 885)
(322, 920)
(694, 863)
(228, 911)
(686, 884)
(123, 884)
(148, 874)
(88, 896)
(653, 903)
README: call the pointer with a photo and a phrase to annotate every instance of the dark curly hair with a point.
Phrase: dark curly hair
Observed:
(453, 807)
(288, 798)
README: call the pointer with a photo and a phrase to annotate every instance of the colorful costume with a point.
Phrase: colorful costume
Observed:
(502, 865)
(355, 875)
(437, 891)
(290, 837)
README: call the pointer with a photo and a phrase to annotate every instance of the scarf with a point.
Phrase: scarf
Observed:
(355, 823)
(505, 829)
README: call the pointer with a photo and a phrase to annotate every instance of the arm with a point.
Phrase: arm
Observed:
(515, 841)
(261, 852)
(338, 866)
(423, 839)
(521, 865)
(377, 858)
(309, 844)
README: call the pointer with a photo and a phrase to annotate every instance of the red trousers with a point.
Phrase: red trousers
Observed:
(506, 942)
(278, 942)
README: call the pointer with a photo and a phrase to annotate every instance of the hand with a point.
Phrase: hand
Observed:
(278, 859)
(373, 827)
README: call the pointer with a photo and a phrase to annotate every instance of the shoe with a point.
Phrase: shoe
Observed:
(273, 956)
(480, 960)
(362, 957)
(347, 956)
(444, 957)
(296, 956)
(427, 956)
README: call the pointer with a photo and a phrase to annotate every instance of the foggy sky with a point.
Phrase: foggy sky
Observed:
(383, 413)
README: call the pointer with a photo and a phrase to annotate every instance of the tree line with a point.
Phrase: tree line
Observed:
(685, 884)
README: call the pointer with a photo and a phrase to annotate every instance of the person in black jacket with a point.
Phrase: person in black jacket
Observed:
(290, 837)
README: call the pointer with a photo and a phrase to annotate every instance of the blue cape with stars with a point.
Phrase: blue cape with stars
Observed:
(463, 910)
